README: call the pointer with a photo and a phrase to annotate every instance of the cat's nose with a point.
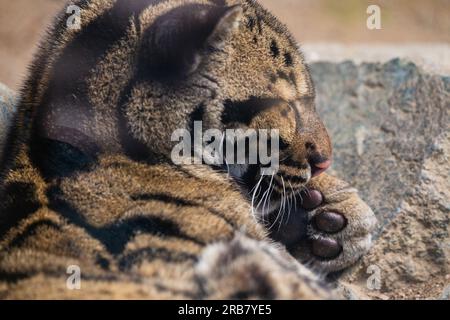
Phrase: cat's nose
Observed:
(319, 167)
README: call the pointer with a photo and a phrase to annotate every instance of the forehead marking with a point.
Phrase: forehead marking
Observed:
(259, 23)
(288, 59)
(251, 23)
(274, 49)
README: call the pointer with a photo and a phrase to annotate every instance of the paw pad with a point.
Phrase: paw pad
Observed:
(326, 248)
(329, 222)
(311, 199)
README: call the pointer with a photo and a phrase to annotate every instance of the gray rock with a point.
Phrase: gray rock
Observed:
(431, 57)
(446, 294)
(390, 128)
(7, 108)
(384, 119)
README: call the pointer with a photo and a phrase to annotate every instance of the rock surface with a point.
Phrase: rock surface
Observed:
(430, 57)
(7, 103)
(390, 127)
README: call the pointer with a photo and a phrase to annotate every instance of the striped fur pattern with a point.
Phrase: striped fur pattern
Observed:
(87, 178)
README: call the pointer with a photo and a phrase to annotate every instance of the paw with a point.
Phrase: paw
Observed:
(248, 269)
(334, 225)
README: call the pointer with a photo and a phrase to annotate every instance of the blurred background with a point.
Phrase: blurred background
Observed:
(327, 29)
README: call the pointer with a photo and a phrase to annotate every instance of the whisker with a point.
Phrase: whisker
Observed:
(263, 197)
(256, 185)
(284, 203)
(299, 192)
(293, 196)
(269, 196)
(290, 202)
(278, 213)
(282, 207)
(256, 189)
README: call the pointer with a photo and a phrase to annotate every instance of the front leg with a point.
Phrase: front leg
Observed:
(336, 223)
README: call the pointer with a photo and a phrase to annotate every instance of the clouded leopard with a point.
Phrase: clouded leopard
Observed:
(87, 178)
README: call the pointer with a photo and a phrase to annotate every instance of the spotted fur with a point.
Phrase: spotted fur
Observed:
(87, 178)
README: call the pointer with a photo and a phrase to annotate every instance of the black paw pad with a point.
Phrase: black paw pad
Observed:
(326, 248)
(330, 222)
(311, 199)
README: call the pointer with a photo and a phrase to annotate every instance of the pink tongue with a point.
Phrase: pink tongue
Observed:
(320, 167)
(324, 165)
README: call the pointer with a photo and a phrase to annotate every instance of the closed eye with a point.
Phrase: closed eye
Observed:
(245, 111)
(283, 144)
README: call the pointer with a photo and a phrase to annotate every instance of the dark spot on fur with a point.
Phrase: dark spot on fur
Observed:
(249, 177)
(102, 262)
(137, 257)
(288, 59)
(18, 201)
(177, 201)
(274, 49)
(116, 235)
(32, 230)
(119, 234)
(283, 144)
(283, 75)
(197, 114)
(255, 39)
(245, 111)
(310, 146)
(251, 23)
(60, 159)
(161, 197)
(13, 276)
(273, 78)
(293, 163)
(259, 23)
(294, 179)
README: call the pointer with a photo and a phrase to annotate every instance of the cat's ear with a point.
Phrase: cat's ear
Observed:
(177, 40)
(227, 24)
